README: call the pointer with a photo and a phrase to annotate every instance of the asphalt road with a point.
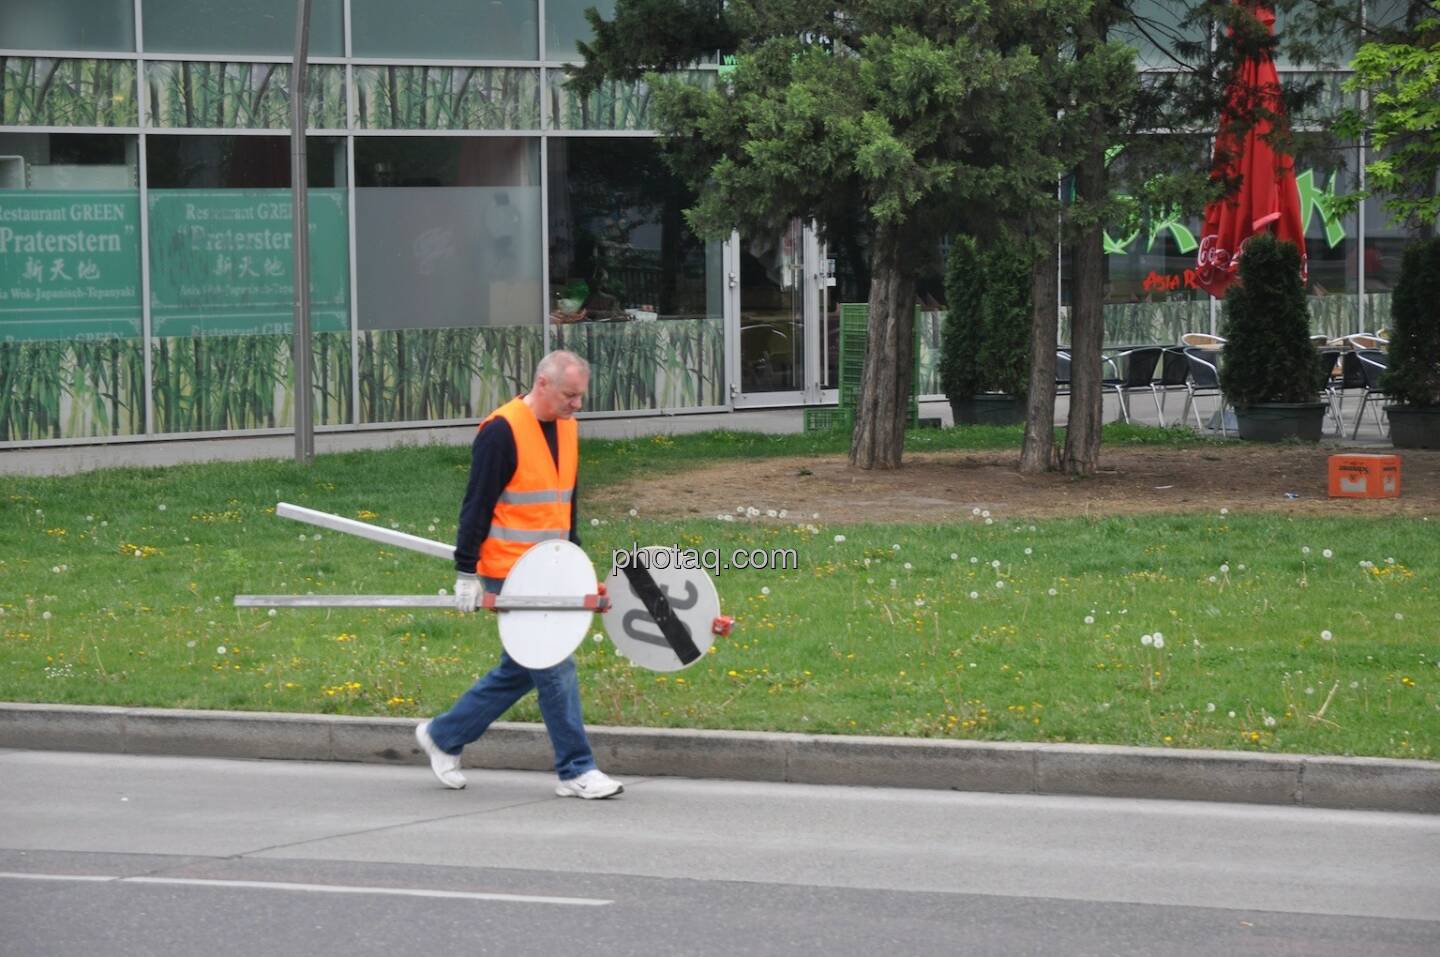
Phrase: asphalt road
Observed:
(127, 855)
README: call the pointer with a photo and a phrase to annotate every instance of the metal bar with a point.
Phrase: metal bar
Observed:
(375, 533)
(501, 602)
(345, 601)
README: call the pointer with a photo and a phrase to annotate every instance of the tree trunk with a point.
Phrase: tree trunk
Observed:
(1087, 335)
(1037, 453)
(884, 400)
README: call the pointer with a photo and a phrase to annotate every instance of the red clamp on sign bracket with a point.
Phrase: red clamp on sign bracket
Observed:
(722, 624)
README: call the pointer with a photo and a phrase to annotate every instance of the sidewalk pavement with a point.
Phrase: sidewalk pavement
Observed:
(997, 767)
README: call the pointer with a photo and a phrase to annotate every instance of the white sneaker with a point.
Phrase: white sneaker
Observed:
(590, 785)
(445, 766)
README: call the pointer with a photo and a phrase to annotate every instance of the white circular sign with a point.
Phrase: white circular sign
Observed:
(542, 638)
(661, 612)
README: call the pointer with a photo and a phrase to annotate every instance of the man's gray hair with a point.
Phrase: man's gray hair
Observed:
(554, 366)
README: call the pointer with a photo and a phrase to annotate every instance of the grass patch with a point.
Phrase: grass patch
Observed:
(116, 589)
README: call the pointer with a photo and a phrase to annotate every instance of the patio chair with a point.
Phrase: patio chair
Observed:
(1174, 374)
(1350, 377)
(1139, 366)
(1201, 340)
(1330, 366)
(1204, 381)
(1359, 341)
(1372, 365)
(1062, 372)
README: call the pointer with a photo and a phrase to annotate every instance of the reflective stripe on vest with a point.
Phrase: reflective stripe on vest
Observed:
(535, 504)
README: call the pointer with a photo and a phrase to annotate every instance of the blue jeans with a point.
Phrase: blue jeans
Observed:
(558, 690)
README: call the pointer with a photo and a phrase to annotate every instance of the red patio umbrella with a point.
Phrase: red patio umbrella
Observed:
(1268, 197)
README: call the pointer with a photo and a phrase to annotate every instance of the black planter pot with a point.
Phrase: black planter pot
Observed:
(1414, 427)
(1281, 421)
(988, 409)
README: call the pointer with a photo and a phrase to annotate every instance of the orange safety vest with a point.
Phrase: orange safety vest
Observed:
(535, 505)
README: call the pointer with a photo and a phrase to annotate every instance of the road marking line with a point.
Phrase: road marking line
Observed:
(319, 888)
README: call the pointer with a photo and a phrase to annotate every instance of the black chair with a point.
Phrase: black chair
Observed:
(1204, 381)
(1062, 372)
(1139, 366)
(1174, 374)
(1329, 361)
(1372, 364)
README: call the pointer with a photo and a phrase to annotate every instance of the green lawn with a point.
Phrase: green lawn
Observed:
(116, 588)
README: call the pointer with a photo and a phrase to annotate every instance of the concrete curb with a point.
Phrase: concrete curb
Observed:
(1098, 770)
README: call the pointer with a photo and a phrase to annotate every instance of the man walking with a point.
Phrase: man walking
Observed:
(521, 491)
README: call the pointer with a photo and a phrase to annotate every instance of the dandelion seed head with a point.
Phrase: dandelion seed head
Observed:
(220, 650)
(1224, 569)
(765, 590)
(1325, 635)
(1147, 640)
(908, 566)
(272, 613)
(190, 643)
(1053, 593)
(839, 539)
(974, 594)
(1269, 721)
(1029, 551)
(1089, 619)
(47, 616)
(1210, 707)
(1159, 641)
(994, 563)
(1000, 584)
(1399, 616)
(1327, 553)
(954, 557)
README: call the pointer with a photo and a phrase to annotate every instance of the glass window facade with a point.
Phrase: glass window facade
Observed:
(565, 25)
(240, 27)
(93, 26)
(71, 360)
(445, 29)
(631, 287)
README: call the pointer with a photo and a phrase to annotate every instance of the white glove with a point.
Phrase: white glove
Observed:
(467, 591)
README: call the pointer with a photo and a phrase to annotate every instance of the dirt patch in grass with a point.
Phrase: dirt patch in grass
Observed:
(946, 486)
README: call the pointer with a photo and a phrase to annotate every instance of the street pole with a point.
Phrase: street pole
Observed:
(300, 222)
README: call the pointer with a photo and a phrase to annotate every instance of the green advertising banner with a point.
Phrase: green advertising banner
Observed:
(221, 262)
(69, 264)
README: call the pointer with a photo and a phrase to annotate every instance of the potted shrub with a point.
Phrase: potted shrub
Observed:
(985, 346)
(1412, 380)
(1271, 372)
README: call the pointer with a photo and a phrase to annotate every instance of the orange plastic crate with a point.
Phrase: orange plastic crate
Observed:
(1364, 476)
